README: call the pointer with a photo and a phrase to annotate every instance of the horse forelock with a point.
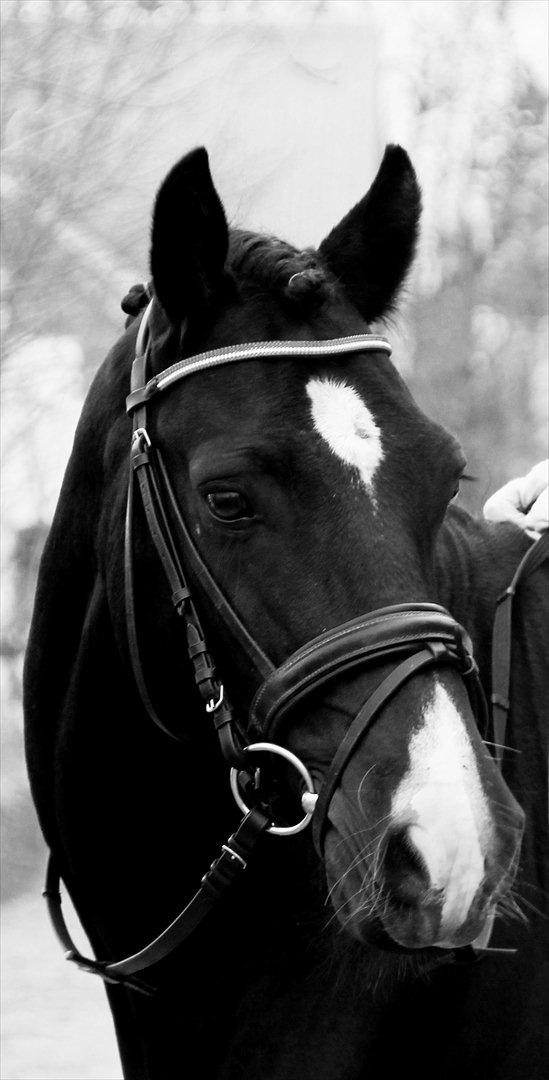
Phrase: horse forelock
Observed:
(260, 261)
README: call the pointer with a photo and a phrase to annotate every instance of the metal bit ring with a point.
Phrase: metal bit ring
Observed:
(308, 798)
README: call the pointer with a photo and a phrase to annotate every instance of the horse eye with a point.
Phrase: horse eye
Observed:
(228, 505)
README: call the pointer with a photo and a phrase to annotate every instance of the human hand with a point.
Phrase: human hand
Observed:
(523, 501)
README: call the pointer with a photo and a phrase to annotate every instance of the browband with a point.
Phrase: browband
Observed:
(253, 350)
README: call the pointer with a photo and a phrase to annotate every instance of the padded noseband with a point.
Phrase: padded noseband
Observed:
(381, 634)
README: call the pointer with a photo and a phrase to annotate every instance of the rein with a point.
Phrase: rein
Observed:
(412, 636)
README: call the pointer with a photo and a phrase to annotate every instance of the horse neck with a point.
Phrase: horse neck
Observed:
(474, 563)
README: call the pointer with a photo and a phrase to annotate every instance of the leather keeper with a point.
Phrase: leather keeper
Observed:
(141, 395)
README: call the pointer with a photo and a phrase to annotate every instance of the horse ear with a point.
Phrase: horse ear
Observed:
(189, 238)
(372, 248)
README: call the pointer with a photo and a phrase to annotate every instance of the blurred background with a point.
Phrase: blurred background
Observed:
(295, 101)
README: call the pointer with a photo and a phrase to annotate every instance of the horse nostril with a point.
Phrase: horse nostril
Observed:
(405, 875)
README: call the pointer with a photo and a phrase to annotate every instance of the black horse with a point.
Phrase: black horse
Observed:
(315, 492)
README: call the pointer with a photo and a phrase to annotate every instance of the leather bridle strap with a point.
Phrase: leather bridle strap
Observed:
(382, 635)
(501, 643)
(433, 653)
(256, 659)
(253, 350)
(142, 465)
(209, 687)
(147, 466)
(152, 476)
(131, 622)
(222, 873)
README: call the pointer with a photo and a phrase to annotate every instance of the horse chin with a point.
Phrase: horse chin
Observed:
(380, 963)
(421, 928)
(410, 932)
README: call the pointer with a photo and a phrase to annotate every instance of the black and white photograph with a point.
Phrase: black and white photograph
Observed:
(274, 628)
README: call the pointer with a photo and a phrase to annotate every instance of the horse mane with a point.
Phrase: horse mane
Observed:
(261, 263)
(271, 264)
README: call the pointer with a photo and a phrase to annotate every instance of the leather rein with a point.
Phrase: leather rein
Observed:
(412, 637)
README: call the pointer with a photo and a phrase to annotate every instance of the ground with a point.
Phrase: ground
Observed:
(55, 1020)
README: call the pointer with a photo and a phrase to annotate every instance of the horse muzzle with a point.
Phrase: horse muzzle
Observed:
(451, 910)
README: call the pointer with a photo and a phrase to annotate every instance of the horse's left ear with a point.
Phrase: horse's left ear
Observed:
(189, 239)
(371, 249)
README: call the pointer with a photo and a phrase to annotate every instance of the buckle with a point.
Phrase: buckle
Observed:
(141, 433)
(223, 870)
(212, 705)
(234, 855)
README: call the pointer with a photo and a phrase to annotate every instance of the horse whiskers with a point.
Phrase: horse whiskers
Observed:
(368, 890)
(500, 806)
(377, 905)
(366, 887)
(350, 836)
(532, 907)
(501, 746)
(362, 855)
(359, 792)
(507, 827)
(509, 910)
(369, 907)
(378, 854)
(534, 888)
(367, 829)
(504, 814)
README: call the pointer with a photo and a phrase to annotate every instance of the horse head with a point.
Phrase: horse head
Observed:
(313, 489)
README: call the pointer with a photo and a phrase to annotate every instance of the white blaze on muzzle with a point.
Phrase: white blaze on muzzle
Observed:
(441, 801)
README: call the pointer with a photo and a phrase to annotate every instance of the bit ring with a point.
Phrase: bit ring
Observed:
(308, 798)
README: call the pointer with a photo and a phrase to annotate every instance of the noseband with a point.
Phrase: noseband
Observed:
(410, 637)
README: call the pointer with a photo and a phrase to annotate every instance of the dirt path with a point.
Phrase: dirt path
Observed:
(55, 1020)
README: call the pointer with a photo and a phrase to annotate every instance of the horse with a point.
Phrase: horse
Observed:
(296, 563)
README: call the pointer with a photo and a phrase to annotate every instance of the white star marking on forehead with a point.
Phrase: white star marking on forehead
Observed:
(344, 421)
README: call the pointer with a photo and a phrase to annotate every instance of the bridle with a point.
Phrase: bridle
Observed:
(409, 637)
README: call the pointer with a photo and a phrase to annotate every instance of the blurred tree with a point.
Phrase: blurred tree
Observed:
(454, 86)
(96, 96)
(481, 374)
(70, 144)
(99, 98)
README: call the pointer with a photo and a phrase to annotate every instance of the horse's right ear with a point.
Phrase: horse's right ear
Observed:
(371, 250)
(189, 239)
